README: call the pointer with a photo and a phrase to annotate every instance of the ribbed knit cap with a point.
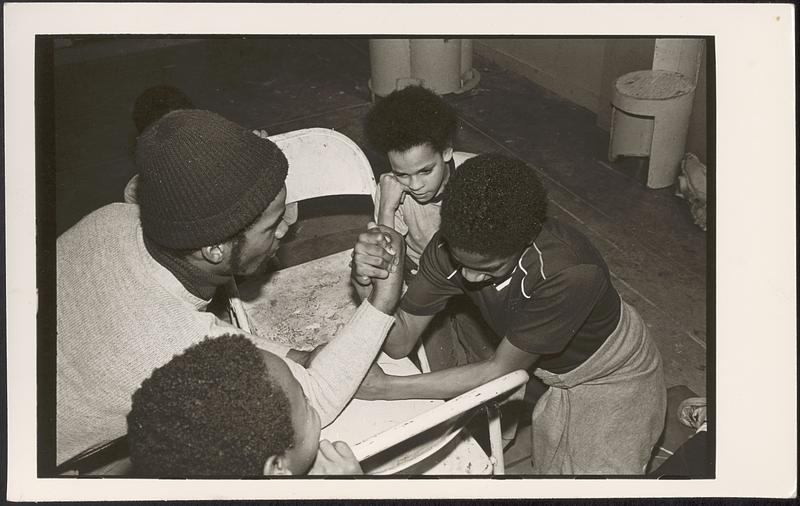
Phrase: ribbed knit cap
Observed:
(203, 178)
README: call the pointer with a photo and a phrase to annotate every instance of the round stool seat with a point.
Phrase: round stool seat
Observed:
(640, 91)
(650, 118)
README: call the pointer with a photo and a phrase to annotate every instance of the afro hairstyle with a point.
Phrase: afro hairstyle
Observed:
(410, 117)
(210, 411)
(493, 205)
(155, 102)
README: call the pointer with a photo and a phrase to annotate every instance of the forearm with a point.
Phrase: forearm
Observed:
(444, 384)
(363, 291)
(386, 215)
(335, 374)
(456, 380)
(385, 297)
(405, 333)
(398, 343)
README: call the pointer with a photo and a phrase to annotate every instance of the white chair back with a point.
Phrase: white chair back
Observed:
(323, 162)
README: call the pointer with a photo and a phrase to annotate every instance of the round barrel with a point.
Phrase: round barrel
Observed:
(390, 60)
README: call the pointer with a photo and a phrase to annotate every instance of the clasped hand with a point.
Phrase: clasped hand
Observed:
(374, 255)
(377, 267)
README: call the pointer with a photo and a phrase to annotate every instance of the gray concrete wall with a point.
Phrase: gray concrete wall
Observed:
(82, 49)
(572, 68)
(583, 71)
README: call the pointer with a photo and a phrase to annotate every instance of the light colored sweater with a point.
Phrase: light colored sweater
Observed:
(121, 314)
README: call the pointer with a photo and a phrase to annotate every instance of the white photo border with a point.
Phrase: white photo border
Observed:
(756, 350)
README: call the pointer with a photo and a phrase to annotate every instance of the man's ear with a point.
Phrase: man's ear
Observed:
(213, 254)
(276, 465)
(447, 154)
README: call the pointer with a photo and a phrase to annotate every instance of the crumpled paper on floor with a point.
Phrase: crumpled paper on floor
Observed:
(692, 187)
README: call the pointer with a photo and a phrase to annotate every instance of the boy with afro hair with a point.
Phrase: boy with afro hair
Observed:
(224, 407)
(545, 289)
(415, 128)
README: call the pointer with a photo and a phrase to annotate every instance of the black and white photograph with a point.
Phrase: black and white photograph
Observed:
(501, 260)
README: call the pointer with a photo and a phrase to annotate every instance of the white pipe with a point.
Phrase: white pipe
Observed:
(466, 60)
(390, 61)
(437, 62)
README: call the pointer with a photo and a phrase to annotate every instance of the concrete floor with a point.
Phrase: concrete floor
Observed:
(657, 256)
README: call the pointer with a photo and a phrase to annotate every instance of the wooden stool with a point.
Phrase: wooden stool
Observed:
(650, 117)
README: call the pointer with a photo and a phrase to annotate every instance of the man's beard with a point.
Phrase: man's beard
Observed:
(236, 261)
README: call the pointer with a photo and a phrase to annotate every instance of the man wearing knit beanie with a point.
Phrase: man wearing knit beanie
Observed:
(210, 186)
(134, 281)
(150, 106)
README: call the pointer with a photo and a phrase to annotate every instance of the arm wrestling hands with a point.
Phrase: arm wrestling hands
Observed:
(384, 291)
(375, 256)
(337, 458)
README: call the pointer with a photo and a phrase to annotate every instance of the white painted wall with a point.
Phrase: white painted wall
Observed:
(572, 68)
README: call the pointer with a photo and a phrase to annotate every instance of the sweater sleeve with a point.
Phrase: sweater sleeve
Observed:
(336, 373)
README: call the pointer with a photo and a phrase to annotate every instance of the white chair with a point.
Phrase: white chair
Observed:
(651, 109)
(372, 448)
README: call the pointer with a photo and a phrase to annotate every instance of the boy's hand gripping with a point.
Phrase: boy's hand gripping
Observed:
(392, 195)
(374, 255)
(386, 291)
(335, 458)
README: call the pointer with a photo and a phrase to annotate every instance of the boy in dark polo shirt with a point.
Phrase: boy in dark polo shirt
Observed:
(546, 291)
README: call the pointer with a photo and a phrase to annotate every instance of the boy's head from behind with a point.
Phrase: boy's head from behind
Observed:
(222, 408)
(493, 208)
(155, 102)
(415, 128)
